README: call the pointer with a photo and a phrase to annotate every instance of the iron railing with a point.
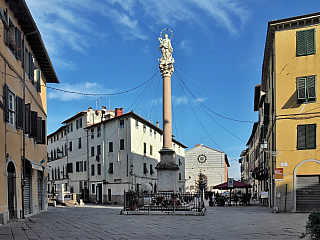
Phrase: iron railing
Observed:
(163, 202)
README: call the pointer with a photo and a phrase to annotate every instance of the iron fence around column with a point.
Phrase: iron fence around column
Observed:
(163, 202)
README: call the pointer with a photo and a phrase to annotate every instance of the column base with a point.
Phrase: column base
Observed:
(167, 171)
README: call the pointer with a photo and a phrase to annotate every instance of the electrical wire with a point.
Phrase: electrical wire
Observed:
(213, 92)
(201, 105)
(199, 119)
(155, 97)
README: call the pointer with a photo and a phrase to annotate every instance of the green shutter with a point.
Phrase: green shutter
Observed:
(311, 136)
(5, 96)
(306, 43)
(301, 88)
(311, 86)
(301, 43)
(301, 129)
(310, 35)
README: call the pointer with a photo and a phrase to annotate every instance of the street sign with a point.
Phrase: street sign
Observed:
(230, 182)
(278, 174)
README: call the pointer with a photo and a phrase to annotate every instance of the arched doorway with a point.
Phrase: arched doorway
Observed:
(11, 179)
(307, 187)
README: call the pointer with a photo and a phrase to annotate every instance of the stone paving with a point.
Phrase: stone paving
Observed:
(104, 222)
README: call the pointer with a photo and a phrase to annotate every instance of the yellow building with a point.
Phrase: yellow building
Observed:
(289, 113)
(25, 69)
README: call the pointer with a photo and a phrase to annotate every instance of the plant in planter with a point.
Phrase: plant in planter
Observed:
(313, 226)
(132, 199)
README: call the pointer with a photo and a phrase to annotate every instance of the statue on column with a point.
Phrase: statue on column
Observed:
(166, 61)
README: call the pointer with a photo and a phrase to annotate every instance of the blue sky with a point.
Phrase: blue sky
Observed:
(111, 46)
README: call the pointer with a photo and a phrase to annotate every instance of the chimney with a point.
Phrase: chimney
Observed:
(118, 112)
(89, 108)
(197, 145)
(157, 124)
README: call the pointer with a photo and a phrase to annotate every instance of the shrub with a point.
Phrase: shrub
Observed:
(313, 226)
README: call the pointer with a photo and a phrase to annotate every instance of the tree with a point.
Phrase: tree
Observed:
(202, 184)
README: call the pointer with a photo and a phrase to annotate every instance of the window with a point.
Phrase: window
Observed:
(121, 144)
(62, 134)
(110, 170)
(306, 44)
(78, 167)
(144, 148)
(65, 149)
(51, 140)
(93, 188)
(57, 137)
(306, 89)
(306, 136)
(110, 146)
(80, 123)
(155, 134)
(151, 169)
(137, 124)
(92, 133)
(11, 107)
(69, 168)
(92, 151)
(92, 169)
(85, 166)
(70, 146)
(77, 124)
(71, 127)
(145, 170)
(99, 169)
(99, 150)
(13, 38)
(122, 123)
(99, 131)
(150, 132)
(150, 150)
(144, 128)
(79, 143)
(179, 176)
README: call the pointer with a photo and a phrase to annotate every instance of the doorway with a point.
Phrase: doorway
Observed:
(99, 193)
(11, 189)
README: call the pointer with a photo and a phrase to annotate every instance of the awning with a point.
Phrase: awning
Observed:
(236, 184)
(35, 165)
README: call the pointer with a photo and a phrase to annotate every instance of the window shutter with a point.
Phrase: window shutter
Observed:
(266, 113)
(19, 111)
(38, 79)
(19, 44)
(301, 136)
(311, 84)
(39, 130)
(301, 43)
(27, 118)
(31, 67)
(34, 123)
(301, 88)
(5, 96)
(310, 35)
(43, 133)
(311, 136)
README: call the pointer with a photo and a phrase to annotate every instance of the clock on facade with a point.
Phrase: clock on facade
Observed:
(202, 158)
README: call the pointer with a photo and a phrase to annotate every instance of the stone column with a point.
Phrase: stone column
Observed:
(167, 169)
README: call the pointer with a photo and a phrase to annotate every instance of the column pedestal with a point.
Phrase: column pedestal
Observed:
(167, 171)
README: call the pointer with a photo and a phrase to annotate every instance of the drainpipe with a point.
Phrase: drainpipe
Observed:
(24, 122)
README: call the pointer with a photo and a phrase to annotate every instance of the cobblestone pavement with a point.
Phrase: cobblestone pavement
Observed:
(104, 222)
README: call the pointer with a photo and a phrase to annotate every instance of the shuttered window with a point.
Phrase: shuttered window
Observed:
(34, 121)
(306, 136)
(18, 43)
(306, 89)
(306, 42)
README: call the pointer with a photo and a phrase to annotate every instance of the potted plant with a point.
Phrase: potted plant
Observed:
(132, 199)
(313, 226)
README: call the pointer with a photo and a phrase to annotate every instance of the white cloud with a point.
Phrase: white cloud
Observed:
(91, 88)
(186, 47)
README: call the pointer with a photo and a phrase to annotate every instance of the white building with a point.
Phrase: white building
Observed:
(113, 155)
(210, 162)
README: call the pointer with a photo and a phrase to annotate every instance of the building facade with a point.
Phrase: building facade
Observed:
(213, 164)
(117, 154)
(288, 114)
(25, 70)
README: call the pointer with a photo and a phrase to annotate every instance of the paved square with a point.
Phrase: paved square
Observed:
(104, 222)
